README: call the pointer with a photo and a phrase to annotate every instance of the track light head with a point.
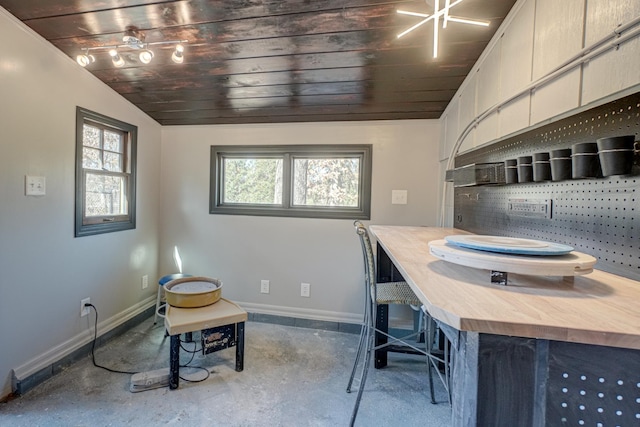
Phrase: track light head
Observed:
(146, 56)
(85, 59)
(178, 56)
(117, 60)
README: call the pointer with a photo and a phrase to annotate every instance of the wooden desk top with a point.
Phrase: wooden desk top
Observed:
(598, 308)
(224, 312)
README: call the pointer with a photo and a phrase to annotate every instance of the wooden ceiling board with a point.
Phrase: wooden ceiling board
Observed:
(260, 61)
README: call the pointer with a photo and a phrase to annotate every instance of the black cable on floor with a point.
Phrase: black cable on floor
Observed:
(187, 365)
(93, 357)
(93, 346)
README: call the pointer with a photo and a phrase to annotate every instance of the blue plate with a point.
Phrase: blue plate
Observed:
(508, 245)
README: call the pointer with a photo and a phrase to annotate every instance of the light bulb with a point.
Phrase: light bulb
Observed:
(146, 56)
(85, 59)
(116, 58)
(177, 56)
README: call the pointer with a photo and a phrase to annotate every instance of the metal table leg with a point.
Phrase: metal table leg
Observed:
(240, 346)
(382, 323)
(174, 362)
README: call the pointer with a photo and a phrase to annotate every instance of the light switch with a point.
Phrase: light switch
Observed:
(35, 185)
(398, 197)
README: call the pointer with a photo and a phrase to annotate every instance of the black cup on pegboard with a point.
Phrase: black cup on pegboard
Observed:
(541, 167)
(511, 171)
(616, 154)
(560, 164)
(525, 169)
(584, 160)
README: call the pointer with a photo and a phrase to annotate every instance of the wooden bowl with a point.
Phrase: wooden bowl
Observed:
(193, 292)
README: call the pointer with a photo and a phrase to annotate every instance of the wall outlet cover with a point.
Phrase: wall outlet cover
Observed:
(398, 197)
(305, 290)
(264, 286)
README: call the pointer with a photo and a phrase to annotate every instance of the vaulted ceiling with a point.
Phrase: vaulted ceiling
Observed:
(256, 61)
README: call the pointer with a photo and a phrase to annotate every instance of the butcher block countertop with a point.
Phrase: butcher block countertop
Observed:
(597, 308)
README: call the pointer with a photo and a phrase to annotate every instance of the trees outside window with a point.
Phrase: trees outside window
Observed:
(105, 174)
(322, 181)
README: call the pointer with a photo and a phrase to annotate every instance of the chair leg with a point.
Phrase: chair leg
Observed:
(363, 334)
(158, 300)
(370, 333)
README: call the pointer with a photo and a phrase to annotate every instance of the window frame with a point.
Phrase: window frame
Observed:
(86, 226)
(289, 153)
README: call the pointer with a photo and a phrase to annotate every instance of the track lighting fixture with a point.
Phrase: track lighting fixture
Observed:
(439, 14)
(133, 40)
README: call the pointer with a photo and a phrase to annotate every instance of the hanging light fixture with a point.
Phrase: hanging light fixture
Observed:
(133, 40)
(436, 16)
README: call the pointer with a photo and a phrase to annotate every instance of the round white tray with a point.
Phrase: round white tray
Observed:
(571, 264)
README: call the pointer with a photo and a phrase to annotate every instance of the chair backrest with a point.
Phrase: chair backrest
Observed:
(369, 260)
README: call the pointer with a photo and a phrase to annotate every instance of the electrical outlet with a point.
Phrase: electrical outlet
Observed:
(264, 286)
(83, 309)
(145, 281)
(305, 289)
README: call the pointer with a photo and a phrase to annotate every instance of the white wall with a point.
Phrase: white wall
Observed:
(242, 250)
(44, 270)
(537, 37)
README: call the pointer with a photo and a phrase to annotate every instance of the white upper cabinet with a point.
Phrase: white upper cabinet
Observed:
(517, 52)
(467, 100)
(619, 67)
(604, 16)
(558, 33)
(489, 79)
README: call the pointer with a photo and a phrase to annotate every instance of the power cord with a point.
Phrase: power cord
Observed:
(93, 346)
(93, 357)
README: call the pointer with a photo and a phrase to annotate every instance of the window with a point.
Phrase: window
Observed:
(318, 181)
(105, 174)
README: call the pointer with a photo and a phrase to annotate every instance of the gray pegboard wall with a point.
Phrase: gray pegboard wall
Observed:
(598, 216)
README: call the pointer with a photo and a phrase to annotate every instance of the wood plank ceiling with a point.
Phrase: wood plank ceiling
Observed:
(256, 61)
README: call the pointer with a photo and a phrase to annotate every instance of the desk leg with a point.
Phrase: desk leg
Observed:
(382, 323)
(174, 362)
(239, 346)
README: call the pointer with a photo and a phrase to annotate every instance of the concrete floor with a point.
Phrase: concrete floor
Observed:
(292, 377)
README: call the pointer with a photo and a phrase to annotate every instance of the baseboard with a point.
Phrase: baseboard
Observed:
(301, 313)
(45, 365)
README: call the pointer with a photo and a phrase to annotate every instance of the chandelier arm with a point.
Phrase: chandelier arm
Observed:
(436, 24)
(468, 21)
(424, 21)
(447, 6)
